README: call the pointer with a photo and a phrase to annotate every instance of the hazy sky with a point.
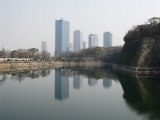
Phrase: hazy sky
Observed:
(25, 23)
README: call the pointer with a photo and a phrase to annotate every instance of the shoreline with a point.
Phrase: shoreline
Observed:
(15, 66)
(137, 71)
(10, 66)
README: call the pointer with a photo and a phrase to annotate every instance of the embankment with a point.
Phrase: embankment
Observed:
(140, 57)
(33, 65)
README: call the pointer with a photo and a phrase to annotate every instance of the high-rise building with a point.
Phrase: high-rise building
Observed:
(107, 39)
(62, 32)
(44, 46)
(78, 40)
(84, 44)
(71, 47)
(92, 41)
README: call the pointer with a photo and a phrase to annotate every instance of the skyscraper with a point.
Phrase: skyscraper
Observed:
(44, 46)
(84, 45)
(107, 39)
(92, 41)
(78, 40)
(62, 32)
(71, 47)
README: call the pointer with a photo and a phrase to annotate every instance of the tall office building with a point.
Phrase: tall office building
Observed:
(92, 41)
(61, 85)
(44, 46)
(78, 40)
(84, 44)
(71, 47)
(62, 32)
(107, 39)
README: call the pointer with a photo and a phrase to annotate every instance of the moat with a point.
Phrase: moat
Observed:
(78, 94)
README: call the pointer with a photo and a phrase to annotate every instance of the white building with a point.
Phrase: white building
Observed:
(44, 46)
(84, 44)
(92, 41)
(78, 40)
(70, 47)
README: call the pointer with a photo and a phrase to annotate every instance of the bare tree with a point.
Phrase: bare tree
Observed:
(45, 55)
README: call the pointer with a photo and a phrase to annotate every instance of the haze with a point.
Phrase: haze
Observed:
(25, 23)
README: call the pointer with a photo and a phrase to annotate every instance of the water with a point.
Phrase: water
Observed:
(71, 94)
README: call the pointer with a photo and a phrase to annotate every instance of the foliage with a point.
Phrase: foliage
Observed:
(150, 29)
(98, 53)
(142, 39)
(32, 54)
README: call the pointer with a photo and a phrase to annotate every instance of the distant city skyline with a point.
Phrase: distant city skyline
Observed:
(25, 23)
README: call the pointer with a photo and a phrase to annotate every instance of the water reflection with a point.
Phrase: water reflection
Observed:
(62, 77)
(3, 78)
(92, 82)
(22, 75)
(142, 95)
(107, 83)
(61, 84)
(96, 73)
(77, 81)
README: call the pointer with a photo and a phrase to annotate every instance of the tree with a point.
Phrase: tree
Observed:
(154, 20)
(45, 55)
(4, 53)
(33, 52)
(13, 54)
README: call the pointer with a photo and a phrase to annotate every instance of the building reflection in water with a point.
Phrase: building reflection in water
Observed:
(61, 85)
(92, 82)
(107, 83)
(3, 78)
(77, 81)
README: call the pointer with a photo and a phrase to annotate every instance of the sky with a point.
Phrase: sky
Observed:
(26, 23)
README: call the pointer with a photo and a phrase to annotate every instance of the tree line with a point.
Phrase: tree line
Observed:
(25, 54)
(150, 29)
(109, 55)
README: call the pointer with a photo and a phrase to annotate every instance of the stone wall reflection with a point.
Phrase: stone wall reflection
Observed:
(142, 95)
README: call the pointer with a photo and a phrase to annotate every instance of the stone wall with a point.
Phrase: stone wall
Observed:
(13, 66)
(142, 55)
